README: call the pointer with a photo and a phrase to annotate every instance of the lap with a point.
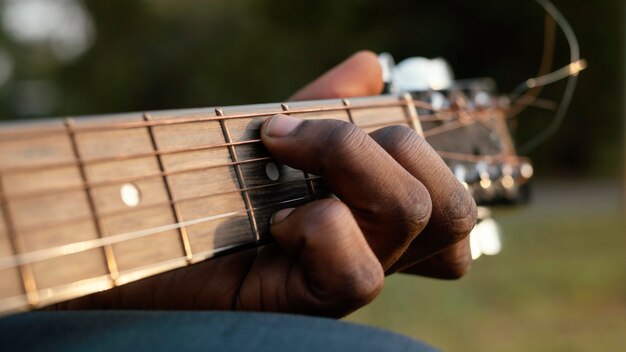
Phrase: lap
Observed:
(186, 331)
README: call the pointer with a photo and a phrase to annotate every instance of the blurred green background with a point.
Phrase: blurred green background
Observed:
(559, 284)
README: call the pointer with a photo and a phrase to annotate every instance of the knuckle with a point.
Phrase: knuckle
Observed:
(345, 139)
(326, 216)
(416, 208)
(357, 288)
(402, 141)
(364, 284)
(460, 214)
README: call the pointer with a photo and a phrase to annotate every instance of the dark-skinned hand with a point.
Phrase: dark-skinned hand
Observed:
(398, 208)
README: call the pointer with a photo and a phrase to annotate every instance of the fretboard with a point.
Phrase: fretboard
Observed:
(91, 203)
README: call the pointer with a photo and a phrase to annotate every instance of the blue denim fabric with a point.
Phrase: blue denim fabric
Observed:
(192, 331)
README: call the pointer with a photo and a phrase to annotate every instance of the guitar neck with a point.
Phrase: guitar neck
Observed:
(91, 203)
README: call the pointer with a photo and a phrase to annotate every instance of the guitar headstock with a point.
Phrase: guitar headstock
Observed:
(467, 123)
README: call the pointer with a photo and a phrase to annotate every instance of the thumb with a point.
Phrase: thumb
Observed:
(337, 271)
(358, 75)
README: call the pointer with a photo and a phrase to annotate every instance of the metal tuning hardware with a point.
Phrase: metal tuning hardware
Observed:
(466, 122)
(485, 238)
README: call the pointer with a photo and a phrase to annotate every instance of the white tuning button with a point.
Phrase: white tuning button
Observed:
(485, 238)
(437, 101)
(483, 173)
(526, 170)
(481, 99)
(387, 65)
(422, 74)
(507, 180)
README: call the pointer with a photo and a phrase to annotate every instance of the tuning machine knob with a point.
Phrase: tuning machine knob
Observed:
(415, 74)
(485, 188)
(507, 183)
(485, 237)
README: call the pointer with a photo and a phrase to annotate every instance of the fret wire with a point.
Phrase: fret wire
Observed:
(109, 255)
(77, 247)
(161, 204)
(184, 238)
(61, 190)
(121, 157)
(201, 118)
(17, 245)
(412, 114)
(239, 173)
(346, 103)
(309, 184)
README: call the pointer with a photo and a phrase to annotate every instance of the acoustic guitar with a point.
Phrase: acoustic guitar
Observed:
(90, 203)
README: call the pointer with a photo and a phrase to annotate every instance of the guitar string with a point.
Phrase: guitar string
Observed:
(74, 162)
(201, 117)
(67, 248)
(70, 248)
(535, 102)
(570, 72)
(149, 230)
(30, 257)
(138, 209)
(488, 159)
(459, 156)
(446, 127)
(87, 185)
(79, 290)
(76, 247)
(547, 60)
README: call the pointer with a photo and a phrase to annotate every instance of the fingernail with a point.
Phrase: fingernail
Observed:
(281, 215)
(281, 125)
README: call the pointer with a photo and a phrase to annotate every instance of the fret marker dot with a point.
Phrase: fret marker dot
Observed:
(271, 170)
(130, 194)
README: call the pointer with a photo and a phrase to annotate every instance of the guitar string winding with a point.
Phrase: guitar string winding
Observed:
(569, 71)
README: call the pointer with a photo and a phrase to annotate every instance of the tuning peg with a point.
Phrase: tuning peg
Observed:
(422, 74)
(526, 170)
(388, 65)
(485, 190)
(485, 237)
(482, 99)
(438, 101)
(509, 189)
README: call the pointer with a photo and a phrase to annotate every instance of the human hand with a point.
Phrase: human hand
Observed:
(398, 207)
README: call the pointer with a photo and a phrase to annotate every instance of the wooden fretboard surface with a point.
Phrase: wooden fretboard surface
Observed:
(202, 178)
